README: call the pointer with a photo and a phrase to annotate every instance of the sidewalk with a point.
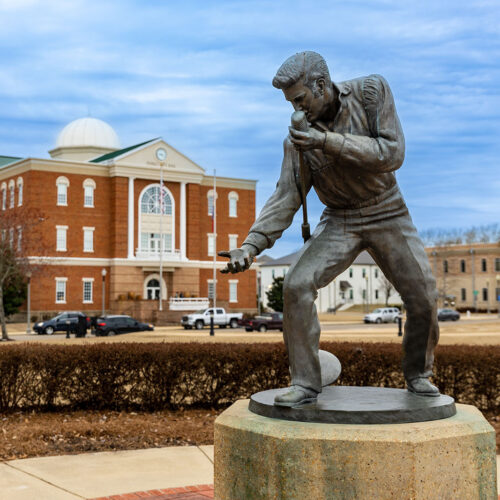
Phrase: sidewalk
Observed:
(174, 473)
(157, 473)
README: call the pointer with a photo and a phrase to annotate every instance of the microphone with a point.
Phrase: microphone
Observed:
(299, 121)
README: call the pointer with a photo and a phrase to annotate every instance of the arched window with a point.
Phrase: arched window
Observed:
(156, 231)
(233, 203)
(151, 201)
(4, 196)
(19, 191)
(62, 184)
(12, 191)
(88, 192)
(152, 287)
(210, 201)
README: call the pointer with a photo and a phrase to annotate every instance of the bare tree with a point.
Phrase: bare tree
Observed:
(20, 236)
(387, 287)
(488, 233)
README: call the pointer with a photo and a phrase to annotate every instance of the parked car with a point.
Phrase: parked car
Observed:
(201, 318)
(271, 321)
(64, 322)
(448, 315)
(383, 315)
(115, 325)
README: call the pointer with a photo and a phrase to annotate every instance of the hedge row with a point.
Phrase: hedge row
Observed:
(153, 376)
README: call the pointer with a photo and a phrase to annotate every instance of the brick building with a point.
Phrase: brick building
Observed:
(105, 214)
(468, 276)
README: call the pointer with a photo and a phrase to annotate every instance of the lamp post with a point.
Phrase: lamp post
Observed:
(28, 304)
(103, 273)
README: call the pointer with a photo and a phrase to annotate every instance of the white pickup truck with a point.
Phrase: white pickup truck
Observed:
(199, 319)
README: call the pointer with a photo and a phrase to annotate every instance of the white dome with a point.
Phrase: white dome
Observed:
(88, 132)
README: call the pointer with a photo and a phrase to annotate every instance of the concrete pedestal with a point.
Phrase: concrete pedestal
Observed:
(258, 457)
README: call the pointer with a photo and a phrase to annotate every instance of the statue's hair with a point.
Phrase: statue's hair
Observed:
(307, 65)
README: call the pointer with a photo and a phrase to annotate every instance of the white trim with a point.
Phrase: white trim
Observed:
(62, 280)
(183, 221)
(91, 281)
(65, 229)
(154, 276)
(88, 230)
(131, 217)
(20, 191)
(213, 236)
(139, 214)
(233, 282)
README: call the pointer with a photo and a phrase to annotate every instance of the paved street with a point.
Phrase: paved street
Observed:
(476, 329)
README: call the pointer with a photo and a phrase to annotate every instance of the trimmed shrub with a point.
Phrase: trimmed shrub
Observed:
(154, 376)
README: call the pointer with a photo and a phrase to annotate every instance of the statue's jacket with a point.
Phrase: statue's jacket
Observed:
(355, 169)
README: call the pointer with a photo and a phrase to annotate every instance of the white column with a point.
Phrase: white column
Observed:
(183, 221)
(130, 217)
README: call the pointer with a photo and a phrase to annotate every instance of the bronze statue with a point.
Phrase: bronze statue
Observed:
(349, 150)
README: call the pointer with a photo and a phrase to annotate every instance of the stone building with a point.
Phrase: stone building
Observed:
(468, 276)
(106, 219)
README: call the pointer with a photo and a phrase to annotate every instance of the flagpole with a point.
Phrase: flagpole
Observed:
(215, 243)
(160, 303)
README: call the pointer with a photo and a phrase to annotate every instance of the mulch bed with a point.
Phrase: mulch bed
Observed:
(25, 435)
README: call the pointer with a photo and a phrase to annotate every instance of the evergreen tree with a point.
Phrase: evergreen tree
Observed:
(275, 294)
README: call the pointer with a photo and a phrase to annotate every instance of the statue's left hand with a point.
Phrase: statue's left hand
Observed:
(304, 141)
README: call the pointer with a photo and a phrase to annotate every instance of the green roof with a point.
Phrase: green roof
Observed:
(7, 160)
(114, 154)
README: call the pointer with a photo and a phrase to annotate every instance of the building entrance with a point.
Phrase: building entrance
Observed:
(153, 289)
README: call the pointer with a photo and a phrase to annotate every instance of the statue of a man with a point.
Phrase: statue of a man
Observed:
(351, 150)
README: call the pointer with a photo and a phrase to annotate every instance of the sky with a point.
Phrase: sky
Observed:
(199, 74)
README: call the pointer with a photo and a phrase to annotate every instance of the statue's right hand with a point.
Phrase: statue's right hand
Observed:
(240, 259)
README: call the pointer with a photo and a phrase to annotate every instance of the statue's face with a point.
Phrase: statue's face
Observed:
(302, 98)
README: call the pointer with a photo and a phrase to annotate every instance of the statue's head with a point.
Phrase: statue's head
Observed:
(305, 80)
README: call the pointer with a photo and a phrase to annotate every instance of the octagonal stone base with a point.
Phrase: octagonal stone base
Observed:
(262, 458)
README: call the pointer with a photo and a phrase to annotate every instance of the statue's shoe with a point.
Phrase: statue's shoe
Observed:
(296, 396)
(422, 387)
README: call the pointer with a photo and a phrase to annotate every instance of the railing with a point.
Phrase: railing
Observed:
(155, 254)
(188, 304)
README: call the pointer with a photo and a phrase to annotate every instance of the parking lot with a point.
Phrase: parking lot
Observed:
(476, 329)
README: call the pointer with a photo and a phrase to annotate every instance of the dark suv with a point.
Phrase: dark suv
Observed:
(114, 325)
(64, 322)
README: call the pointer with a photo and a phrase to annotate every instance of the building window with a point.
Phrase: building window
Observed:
(19, 238)
(61, 238)
(462, 266)
(351, 294)
(497, 264)
(211, 289)
(88, 239)
(88, 284)
(485, 294)
(210, 201)
(233, 290)
(11, 237)
(19, 191)
(12, 191)
(233, 241)
(350, 272)
(88, 192)
(376, 273)
(484, 265)
(364, 272)
(4, 196)
(364, 293)
(61, 290)
(445, 266)
(62, 184)
(153, 289)
(376, 294)
(151, 243)
(211, 244)
(233, 204)
(463, 294)
(151, 201)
